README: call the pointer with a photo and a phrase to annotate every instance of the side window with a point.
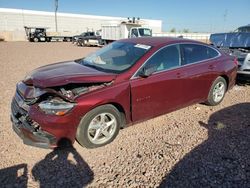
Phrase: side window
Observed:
(192, 53)
(134, 33)
(164, 59)
(212, 53)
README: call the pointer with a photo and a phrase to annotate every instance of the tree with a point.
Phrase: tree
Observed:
(173, 30)
(185, 30)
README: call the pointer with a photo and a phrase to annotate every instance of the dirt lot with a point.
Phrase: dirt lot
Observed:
(198, 146)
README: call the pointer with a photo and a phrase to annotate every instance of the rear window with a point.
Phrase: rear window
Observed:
(194, 53)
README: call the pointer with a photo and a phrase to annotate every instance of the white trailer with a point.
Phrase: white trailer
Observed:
(124, 30)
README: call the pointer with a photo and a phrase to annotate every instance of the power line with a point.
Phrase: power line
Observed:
(56, 7)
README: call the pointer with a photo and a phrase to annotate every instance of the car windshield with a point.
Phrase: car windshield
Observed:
(145, 32)
(117, 57)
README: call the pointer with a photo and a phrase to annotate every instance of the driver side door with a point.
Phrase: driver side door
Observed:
(160, 92)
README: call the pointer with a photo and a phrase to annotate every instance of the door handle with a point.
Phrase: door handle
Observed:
(180, 75)
(211, 67)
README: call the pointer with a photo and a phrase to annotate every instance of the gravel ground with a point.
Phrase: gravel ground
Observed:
(198, 146)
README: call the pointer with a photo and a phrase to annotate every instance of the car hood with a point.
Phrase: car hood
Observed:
(59, 74)
(232, 40)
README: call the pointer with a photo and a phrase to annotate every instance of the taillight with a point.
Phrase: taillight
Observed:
(236, 61)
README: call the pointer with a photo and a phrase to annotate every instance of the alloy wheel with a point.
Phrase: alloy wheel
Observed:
(102, 128)
(219, 91)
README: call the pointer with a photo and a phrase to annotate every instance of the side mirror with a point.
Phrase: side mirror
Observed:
(146, 71)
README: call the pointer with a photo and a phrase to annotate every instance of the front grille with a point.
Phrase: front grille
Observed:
(16, 110)
(14, 107)
(22, 116)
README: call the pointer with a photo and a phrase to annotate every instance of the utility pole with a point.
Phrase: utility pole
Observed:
(56, 7)
(225, 19)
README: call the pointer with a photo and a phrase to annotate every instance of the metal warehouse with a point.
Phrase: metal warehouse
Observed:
(12, 22)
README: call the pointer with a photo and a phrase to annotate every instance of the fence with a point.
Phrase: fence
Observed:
(204, 37)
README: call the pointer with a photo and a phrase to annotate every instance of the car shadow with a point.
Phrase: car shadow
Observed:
(223, 160)
(62, 168)
(15, 176)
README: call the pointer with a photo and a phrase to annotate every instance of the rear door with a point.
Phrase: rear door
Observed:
(160, 92)
(199, 66)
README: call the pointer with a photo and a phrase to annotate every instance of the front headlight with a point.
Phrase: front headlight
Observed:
(56, 107)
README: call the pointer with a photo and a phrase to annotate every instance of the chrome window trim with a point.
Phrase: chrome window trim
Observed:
(196, 62)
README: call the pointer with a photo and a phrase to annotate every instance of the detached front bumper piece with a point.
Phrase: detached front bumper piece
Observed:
(27, 131)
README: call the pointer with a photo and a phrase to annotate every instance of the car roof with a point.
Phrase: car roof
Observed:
(158, 41)
(244, 26)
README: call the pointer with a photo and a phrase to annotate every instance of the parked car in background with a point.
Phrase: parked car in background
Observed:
(127, 81)
(89, 38)
(39, 34)
(75, 37)
(236, 43)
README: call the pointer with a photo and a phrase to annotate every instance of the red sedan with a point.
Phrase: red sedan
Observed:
(130, 80)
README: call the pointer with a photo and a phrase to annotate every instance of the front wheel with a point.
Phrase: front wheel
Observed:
(48, 39)
(83, 43)
(217, 91)
(99, 127)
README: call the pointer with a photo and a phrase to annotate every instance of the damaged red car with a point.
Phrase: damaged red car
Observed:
(130, 80)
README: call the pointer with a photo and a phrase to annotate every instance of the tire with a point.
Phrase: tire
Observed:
(83, 42)
(78, 43)
(36, 39)
(99, 127)
(217, 92)
(105, 42)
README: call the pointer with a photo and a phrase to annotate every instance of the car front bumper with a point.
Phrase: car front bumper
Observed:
(28, 130)
(38, 129)
(32, 137)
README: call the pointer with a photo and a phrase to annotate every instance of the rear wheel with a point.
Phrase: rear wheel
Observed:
(99, 127)
(217, 92)
(36, 39)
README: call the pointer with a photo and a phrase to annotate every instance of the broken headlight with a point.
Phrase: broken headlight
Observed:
(56, 107)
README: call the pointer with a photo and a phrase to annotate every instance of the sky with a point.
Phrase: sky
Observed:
(193, 15)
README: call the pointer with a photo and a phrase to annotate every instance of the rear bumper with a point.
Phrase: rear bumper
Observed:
(30, 136)
(243, 75)
(243, 72)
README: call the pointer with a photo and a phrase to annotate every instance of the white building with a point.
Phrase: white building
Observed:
(12, 22)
